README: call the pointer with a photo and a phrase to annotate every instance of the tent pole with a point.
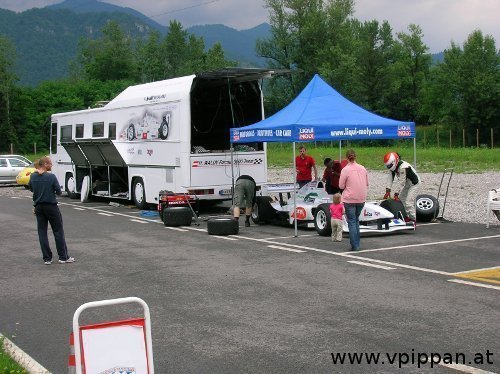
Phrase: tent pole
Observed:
(415, 153)
(294, 192)
(232, 175)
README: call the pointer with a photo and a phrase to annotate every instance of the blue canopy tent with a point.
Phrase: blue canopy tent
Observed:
(320, 113)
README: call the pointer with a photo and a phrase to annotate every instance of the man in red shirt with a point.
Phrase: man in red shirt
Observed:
(304, 164)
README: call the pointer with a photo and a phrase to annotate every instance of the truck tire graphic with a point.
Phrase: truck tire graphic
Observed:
(164, 127)
(131, 132)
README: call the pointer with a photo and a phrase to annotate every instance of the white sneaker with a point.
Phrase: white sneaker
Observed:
(69, 260)
(47, 263)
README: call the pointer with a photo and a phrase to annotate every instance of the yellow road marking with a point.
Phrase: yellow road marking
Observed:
(487, 275)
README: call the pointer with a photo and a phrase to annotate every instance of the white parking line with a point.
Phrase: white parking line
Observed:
(176, 229)
(349, 255)
(474, 284)
(289, 237)
(136, 220)
(286, 249)
(75, 208)
(106, 214)
(465, 368)
(223, 237)
(426, 244)
(372, 265)
(475, 270)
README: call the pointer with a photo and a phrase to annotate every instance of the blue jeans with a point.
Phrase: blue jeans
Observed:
(352, 212)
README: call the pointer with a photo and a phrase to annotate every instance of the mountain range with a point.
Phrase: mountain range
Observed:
(46, 39)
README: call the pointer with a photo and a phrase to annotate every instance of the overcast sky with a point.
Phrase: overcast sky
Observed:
(441, 20)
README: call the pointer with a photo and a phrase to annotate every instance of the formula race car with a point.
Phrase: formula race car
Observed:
(275, 203)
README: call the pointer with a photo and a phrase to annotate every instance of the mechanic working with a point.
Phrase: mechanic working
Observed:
(305, 164)
(405, 187)
(244, 195)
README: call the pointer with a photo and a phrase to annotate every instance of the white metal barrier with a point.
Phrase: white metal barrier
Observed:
(118, 346)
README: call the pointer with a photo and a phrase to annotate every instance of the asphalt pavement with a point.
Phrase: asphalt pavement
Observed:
(262, 301)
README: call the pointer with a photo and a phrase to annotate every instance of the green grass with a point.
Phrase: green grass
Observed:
(7, 364)
(430, 160)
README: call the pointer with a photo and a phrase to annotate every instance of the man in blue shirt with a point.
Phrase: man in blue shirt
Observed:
(45, 186)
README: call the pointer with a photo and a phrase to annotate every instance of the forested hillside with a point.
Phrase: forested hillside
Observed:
(46, 40)
(389, 73)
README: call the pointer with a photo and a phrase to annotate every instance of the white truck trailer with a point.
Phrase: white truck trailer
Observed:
(168, 135)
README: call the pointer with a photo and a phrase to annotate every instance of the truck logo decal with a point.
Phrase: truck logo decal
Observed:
(223, 162)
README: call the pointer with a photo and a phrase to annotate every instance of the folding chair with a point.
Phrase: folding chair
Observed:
(493, 205)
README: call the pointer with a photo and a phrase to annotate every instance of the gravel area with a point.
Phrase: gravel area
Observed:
(466, 201)
(467, 193)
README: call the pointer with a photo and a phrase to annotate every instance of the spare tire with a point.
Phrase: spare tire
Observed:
(177, 216)
(427, 208)
(322, 220)
(223, 226)
(263, 212)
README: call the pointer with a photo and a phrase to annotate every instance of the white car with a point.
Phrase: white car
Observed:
(10, 166)
(312, 210)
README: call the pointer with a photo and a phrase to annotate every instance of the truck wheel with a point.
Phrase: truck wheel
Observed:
(427, 208)
(262, 212)
(223, 226)
(164, 128)
(131, 132)
(322, 220)
(70, 186)
(177, 216)
(139, 193)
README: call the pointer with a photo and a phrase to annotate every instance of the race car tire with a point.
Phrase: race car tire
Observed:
(223, 226)
(427, 208)
(262, 212)
(177, 216)
(322, 220)
(396, 207)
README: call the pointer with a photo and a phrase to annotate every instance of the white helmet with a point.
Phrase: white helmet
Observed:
(391, 160)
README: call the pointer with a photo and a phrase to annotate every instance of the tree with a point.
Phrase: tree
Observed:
(7, 81)
(109, 57)
(410, 70)
(150, 60)
(464, 90)
(305, 34)
(374, 57)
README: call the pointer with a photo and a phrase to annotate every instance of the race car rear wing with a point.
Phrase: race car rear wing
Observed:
(270, 188)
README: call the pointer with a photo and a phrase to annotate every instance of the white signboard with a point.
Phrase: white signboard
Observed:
(115, 348)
